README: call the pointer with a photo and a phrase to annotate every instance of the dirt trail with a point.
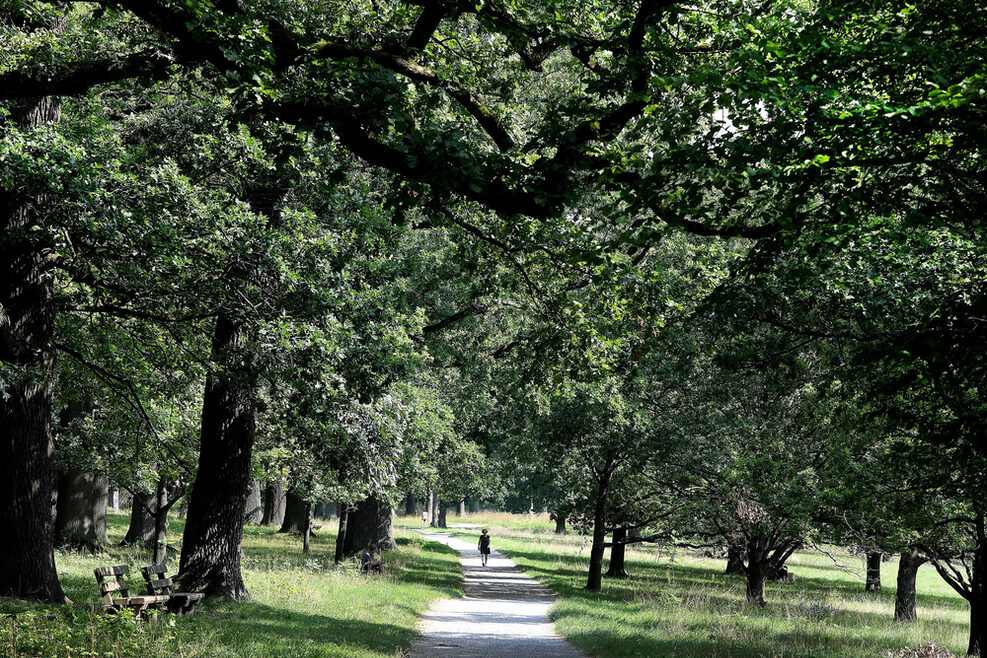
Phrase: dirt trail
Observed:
(503, 613)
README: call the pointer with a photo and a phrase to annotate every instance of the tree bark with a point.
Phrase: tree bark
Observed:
(735, 561)
(873, 579)
(101, 496)
(141, 529)
(410, 505)
(80, 516)
(254, 510)
(27, 321)
(344, 515)
(461, 507)
(433, 510)
(214, 529)
(905, 608)
(594, 580)
(307, 532)
(159, 544)
(369, 523)
(560, 520)
(978, 592)
(274, 504)
(617, 569)
(295, 513)
(443, 511)
(756, 571)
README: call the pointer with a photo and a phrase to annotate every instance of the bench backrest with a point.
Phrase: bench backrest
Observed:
(110, 580)
(156, 577)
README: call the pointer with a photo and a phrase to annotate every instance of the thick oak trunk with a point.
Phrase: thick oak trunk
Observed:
(617, 569)
(80, 516)
(27, 320)
(594, 580)
(873, 579)
(141, 529)
(369, 523)
(275, 500)
(756, 577)
(344, 515)
(735, 561)
(978, 593)
(560, 520)
(904, 598)
(214, 529)
(295, 514)
(443, 512)
(254, 510)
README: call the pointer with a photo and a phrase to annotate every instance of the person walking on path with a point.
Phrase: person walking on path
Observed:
(484, 546)
(424, 517)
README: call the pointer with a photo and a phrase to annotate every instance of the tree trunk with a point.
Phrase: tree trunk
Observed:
(214, 529)
(433, 510)
(307, 532)
(461, 507)
(617, 569)
(80, 517)
(904, 598)
(101, 495)
(560, 520)
(873, 580)
(344, 515)
(594, 580)
(978, 593)
(332, 510)
(476, 505)
(756, 571)
(295, 513)
(274, 504)
(320, 511)
(978, 628)
(410, 505)
(27, 320)
(443, 511)
(254, 510)
(159, 545)
(369, 523)
(141, 529)
(735, 561)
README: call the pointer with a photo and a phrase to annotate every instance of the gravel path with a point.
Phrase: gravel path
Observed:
(503, 613)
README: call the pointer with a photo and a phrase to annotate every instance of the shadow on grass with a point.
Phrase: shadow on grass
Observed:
(270, 630)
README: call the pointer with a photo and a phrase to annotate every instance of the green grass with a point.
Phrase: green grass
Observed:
(682, 604)
(302, 606)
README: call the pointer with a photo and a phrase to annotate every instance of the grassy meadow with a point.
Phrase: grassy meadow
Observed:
(302, 607)
(681, 604)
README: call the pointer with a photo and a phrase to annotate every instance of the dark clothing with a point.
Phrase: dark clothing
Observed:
(367, 562)
(484, 545)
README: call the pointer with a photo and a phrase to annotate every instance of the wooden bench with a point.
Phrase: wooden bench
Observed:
(159, 584)
(116, 594)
